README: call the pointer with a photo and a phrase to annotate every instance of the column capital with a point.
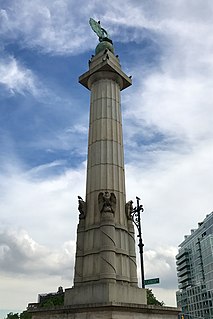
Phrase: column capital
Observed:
(105, 61)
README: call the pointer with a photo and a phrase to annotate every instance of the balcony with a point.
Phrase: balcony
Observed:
(183, 258)
(181, 253)
(183, 265)
(183, 271)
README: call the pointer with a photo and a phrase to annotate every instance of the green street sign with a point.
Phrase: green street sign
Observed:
(152, 281)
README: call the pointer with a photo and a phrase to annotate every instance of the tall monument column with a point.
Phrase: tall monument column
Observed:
(105, 265)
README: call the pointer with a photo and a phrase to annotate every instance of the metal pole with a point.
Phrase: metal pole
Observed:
(136, 217)
(140, 245)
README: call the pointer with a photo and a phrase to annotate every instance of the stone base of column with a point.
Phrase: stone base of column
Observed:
(106, 311)
(104, 293)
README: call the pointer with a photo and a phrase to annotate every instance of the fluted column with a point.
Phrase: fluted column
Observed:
(108, 250)
(105, 266)
(105, 170)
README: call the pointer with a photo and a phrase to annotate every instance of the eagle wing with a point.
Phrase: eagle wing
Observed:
(96, 27)
(113, 201)
(100, 201)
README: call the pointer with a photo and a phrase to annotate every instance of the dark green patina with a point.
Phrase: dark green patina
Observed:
(104, 40)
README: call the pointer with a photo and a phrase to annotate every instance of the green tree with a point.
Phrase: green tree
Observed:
(12, 315)
(25, 315)
(152, 300)
(52, 301)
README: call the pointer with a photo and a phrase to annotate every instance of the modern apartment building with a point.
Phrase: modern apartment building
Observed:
(195, 272)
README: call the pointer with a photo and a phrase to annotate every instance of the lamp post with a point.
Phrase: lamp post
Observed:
(136, 217)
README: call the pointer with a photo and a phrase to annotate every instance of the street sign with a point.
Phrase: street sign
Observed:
(152, 281)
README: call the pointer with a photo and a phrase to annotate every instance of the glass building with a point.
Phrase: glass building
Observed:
(195, 272)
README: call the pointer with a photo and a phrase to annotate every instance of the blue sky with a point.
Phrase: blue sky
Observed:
(167, 123)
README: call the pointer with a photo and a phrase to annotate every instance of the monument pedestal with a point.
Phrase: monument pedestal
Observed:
(101, 293)
(106, 311)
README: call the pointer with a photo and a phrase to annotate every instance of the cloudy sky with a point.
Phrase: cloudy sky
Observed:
(167, 47)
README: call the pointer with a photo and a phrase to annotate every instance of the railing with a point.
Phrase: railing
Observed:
(32, 306)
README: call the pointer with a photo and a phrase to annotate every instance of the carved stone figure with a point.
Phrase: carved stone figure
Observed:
(81, 208)
(107, 202)
(129, 209)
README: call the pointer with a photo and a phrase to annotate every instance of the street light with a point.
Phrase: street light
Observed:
(136, 218)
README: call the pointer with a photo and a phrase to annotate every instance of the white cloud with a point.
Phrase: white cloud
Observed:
(167, 123)
(175, 190)
(77, 128)
(41, 257)
(21, 255)
(160, 263)
(186, 98)
(18, 291)
(59, 27)
(16, 78)
(72, 138)
(53, 26)
(168, 296)
(175, 99)
(36, 200)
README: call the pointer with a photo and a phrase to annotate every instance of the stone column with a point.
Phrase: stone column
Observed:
(105, 169)
(105, 257)
(105, 174)
(108, 253)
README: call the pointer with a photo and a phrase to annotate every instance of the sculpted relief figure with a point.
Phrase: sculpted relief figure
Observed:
(129, 209)
(81, 208)
(107, 202)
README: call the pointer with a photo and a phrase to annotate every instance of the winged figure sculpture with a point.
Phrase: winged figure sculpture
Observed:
(101, 32)
(107, 202)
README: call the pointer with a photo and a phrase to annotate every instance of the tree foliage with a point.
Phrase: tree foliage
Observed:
(23, 315)
(152, 300)
(12, 315)
(51, 301)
